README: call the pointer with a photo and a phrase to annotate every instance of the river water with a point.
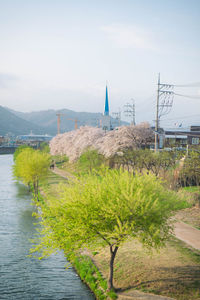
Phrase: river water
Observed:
(22, 277)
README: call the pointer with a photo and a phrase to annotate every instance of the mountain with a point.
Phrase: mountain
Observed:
(13, 124)
(48, 119)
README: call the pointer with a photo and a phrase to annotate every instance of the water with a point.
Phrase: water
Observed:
(22, 277)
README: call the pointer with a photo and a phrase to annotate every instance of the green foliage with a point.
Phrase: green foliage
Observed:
(106, 208)
(90, 160)
(90, 274)
(18, 150)
(145, 160)
(190, 173)
(31, 166)
(60, 159)
(44, 147)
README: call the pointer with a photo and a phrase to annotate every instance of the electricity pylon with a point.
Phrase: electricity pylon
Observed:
(129, 111)
(164, 102)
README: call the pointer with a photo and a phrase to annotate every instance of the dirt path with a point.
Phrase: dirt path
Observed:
(137, 295)
(62, 173)
(187, 234)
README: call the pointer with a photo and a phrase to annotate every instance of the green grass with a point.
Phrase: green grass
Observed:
(51, 183)
(172, 272)
(90, 274)
(192, 189)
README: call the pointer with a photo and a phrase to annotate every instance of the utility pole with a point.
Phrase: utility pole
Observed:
(129, 111)
(157, 114)
(164, 102)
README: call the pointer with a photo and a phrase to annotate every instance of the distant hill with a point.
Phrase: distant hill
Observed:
(11, 123)
(48, 119)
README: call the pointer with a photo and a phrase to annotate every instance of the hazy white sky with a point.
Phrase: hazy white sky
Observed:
(59, 54)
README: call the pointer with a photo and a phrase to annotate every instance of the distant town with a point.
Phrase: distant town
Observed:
(44, 125)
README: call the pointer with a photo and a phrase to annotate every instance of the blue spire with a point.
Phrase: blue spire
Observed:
(106, 111)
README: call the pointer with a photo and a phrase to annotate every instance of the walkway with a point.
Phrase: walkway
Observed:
(62, 173)
(187, 234)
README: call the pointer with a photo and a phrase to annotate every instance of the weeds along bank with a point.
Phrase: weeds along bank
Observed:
(104, 208)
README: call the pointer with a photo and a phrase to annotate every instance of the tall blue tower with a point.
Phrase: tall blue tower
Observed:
(106, 121)
(106, 111)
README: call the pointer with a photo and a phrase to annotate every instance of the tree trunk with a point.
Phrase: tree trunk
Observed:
(35, 188)
(112, 258)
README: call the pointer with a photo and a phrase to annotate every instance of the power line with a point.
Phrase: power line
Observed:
(188, 96)
(196, 84)
(184, 117)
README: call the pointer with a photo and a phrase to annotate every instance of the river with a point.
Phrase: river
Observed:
(22, 277)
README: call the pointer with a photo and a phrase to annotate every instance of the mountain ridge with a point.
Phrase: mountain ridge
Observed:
(47, 119)
(12, 124)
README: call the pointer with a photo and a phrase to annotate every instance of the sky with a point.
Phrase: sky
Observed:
(57, 54)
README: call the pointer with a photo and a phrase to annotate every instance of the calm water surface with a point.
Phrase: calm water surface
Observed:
(22, 277)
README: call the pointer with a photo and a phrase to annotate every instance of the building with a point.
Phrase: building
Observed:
(2, 139)
(181, 138)
(106, 119)
(33, 138)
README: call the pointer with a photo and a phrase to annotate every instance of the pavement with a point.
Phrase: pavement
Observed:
(187, 234)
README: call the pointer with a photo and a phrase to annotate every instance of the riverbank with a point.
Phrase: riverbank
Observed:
(174, 272)
(23, 277)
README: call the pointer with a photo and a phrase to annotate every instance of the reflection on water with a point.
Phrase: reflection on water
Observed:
(22, 277)
(21, 191)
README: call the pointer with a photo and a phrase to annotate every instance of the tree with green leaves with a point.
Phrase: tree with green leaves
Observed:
(44, 147)
(90, 159)
(31, 166)
(19, 149)
(106, 209)
(190, 171)
(145, 161)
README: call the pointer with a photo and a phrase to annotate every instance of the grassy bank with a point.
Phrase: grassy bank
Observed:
(173, 272)
(191, 215)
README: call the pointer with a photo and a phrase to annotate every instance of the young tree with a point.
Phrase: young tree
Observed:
(31, 166)
(106, 209)
(89, 160)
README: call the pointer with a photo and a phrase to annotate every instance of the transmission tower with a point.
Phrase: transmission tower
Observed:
(164, 102)
(117, 116)
(129, 111)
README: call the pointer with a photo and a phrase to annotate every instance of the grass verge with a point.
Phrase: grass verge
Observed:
(173, 272)
(90, 274)
(190, 215)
